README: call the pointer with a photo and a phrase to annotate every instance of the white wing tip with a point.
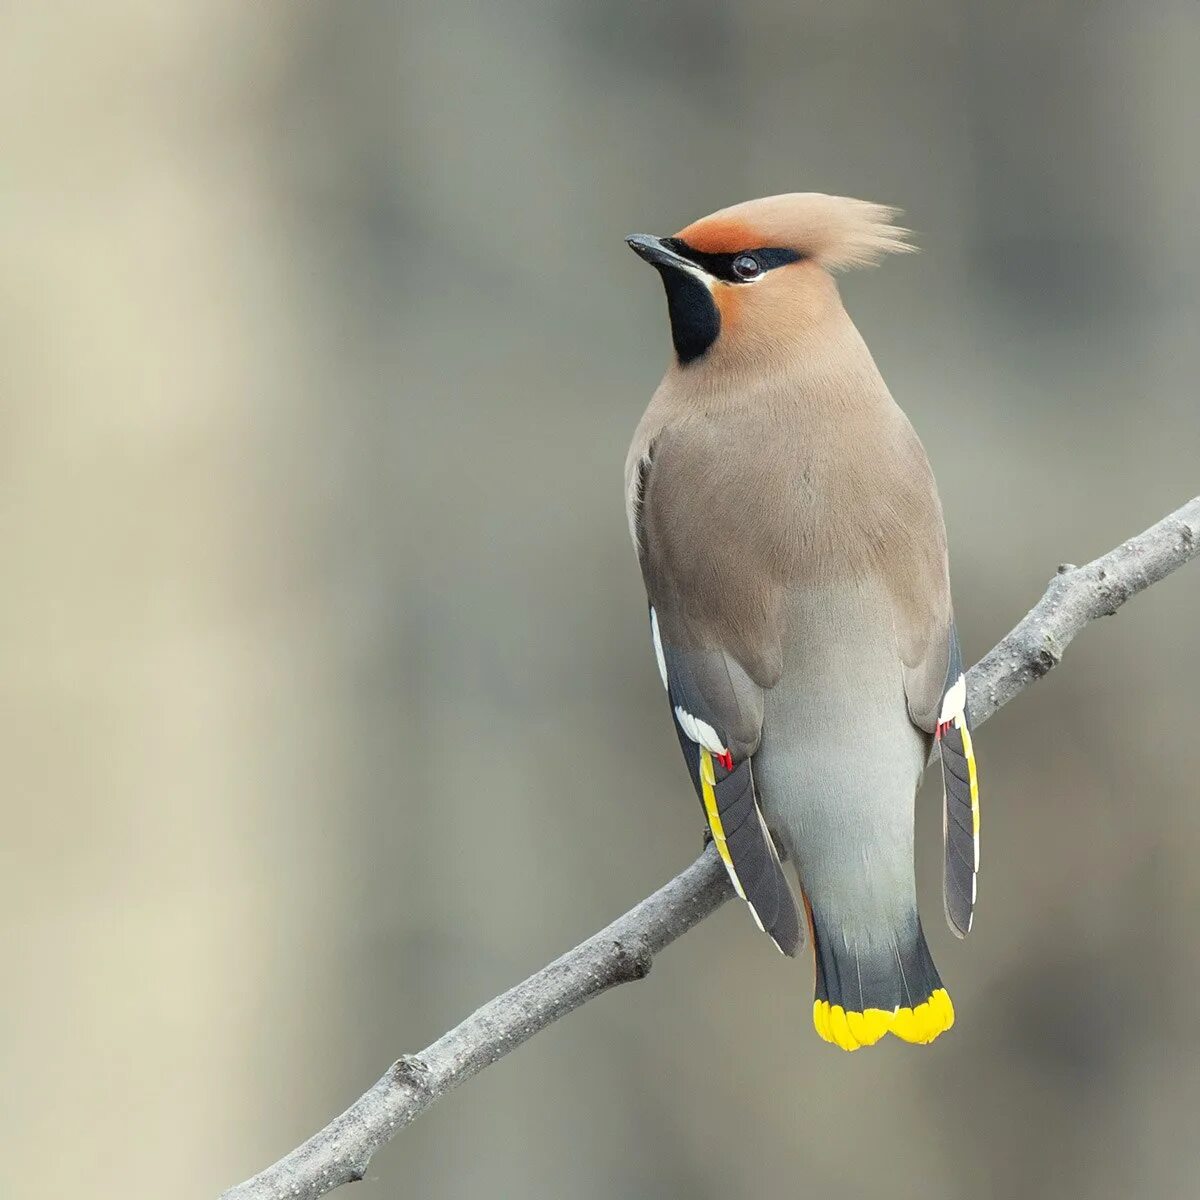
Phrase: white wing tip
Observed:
(954, 701)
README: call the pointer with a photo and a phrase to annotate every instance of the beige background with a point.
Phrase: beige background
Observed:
(329, 708)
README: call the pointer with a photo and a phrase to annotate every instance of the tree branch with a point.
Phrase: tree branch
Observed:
(625, 950)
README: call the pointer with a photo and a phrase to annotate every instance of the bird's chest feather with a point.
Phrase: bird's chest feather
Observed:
(787, 507)
(736, 516)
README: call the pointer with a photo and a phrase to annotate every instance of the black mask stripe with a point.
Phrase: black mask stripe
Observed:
(720, 266)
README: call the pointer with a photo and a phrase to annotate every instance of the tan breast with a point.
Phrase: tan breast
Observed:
(811, 477)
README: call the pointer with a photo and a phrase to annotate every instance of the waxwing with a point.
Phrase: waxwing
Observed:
(791, 540)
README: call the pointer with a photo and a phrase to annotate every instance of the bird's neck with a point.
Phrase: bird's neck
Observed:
(815, 371)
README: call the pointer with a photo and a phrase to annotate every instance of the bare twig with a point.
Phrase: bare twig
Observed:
(625, 950)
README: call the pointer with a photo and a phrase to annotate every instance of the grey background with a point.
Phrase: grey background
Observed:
(329, 708)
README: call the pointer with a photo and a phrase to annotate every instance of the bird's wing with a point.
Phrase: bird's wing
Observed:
(718, 711)
(940, 708)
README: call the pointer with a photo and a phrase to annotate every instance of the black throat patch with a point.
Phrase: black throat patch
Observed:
(695, 321)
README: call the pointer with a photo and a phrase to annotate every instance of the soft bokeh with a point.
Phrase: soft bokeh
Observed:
(329, 707)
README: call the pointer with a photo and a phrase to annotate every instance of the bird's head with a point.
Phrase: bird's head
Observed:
(746, 280)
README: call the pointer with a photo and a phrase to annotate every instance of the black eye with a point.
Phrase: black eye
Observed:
(746, 266)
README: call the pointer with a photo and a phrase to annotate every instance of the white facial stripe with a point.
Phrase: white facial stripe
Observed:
(689, 268)
(658, 650)
(701, 732)
(954, 701)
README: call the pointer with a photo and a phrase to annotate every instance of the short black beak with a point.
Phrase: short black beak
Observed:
(655, 251)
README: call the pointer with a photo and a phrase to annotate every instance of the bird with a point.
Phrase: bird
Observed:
(793, 548)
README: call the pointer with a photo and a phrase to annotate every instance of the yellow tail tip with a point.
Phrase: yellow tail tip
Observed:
(850, 1030)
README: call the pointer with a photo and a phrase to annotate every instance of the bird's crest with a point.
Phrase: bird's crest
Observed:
(834, 231)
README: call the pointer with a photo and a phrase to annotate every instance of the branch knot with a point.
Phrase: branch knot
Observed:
(633, 961)
(411, 1071)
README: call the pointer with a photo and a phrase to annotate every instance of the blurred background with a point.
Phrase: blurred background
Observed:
(326, 667)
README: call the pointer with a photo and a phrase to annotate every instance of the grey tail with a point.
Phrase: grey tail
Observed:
(867, 987)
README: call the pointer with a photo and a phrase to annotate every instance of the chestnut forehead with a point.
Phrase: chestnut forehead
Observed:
(720, 235)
